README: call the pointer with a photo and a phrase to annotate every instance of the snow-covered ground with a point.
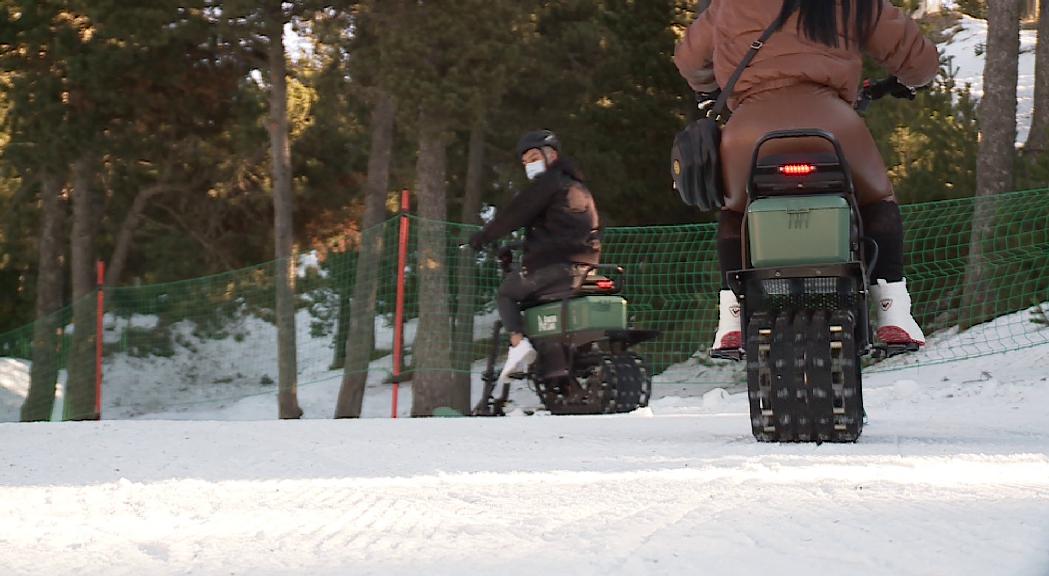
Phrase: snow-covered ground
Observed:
(965, 49)
(951, 476)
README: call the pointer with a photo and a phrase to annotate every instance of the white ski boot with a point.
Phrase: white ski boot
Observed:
(729, 335)
(895, 323)
(518, 359)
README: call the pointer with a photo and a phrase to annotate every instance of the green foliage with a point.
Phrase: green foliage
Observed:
(1032, 170)
(929, 145)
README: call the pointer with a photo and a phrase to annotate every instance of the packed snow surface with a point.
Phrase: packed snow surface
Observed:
(951, 476)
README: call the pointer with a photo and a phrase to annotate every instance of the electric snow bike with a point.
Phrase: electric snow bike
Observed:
(803, 291)
(584, 364)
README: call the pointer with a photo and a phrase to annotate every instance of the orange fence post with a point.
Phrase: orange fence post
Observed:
(398, 322)
(99, 325)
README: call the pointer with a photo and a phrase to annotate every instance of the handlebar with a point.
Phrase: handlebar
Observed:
(878, 89)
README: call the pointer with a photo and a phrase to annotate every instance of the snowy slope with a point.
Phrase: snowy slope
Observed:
(951, 476)
(965, 48)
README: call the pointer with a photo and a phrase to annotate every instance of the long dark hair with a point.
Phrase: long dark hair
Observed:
(818, 19)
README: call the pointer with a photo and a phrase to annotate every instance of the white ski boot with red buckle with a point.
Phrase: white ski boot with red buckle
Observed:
(730, 330)
(896, 326)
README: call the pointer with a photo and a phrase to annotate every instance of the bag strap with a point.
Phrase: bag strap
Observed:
(726, 92)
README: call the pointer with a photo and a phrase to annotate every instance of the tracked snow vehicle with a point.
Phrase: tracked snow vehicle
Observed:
(803, 293)
(583, 339)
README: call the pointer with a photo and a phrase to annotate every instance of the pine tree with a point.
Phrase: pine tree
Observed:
(1038, 138)
(34, 125)
(40, 399)
(260, 26)
(376, 23)
(444, 58)
(994, 172)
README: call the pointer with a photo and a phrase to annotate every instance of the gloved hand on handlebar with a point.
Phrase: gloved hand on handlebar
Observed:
(902, 91)
(706, 100)
(891, 86)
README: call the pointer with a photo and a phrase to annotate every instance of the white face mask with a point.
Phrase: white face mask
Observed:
(534, 169)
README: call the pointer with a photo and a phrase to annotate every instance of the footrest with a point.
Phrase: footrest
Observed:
(734, 354)
(883, 351)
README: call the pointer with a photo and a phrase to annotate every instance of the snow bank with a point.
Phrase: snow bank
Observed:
(14, 385)
(203, 371)
(233, 375)
(234, 378)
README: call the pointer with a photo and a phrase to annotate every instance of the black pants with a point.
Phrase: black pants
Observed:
(881, 222)
(518, 287)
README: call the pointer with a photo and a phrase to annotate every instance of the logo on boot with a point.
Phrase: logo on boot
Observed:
(886, 304)
(734, 310)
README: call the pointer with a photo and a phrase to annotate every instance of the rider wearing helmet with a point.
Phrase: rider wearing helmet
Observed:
(807, 76)
(562, 237)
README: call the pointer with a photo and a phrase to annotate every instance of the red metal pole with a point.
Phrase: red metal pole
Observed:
(398, 315)
(98, 338)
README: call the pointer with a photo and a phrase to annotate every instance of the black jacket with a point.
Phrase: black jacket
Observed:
(560, 218)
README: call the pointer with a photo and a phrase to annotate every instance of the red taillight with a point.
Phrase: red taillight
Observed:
(797, 169)
(606, 285)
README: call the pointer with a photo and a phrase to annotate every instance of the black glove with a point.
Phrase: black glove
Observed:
(903, 92)
(477, 241)
(891, 87)
(712, 95)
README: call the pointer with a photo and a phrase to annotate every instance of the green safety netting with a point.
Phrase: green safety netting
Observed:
(169, 347)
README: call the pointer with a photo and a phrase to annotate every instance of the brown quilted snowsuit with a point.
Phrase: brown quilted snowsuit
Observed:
(796, 83)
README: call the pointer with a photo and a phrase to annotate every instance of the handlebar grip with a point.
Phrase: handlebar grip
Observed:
(890, 86)
(882, 88)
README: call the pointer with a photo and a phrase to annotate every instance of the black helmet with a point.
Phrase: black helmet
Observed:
(538, 139)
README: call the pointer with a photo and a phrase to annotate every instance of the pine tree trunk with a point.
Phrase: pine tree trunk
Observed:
(361, 340)
(994, 170)
(80, 387)
(40, 401)
(433, 384)
(1038, 138)
(115, 269)
(465, 300)
(280, 152)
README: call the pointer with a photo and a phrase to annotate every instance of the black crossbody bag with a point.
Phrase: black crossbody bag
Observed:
(695, 158)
